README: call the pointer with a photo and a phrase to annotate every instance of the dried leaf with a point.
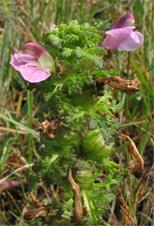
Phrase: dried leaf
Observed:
(49, 127)
(79, 210)
(136, 165)
(35, 213)
(128, 219)
(125, 85)
(33, 200)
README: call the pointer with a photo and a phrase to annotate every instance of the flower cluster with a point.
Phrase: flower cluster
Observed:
(35, 64)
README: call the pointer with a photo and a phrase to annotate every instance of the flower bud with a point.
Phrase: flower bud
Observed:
(83, 174)
(94, 147)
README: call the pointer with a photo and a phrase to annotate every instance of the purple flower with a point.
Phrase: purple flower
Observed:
(122, 36)
(33, 62)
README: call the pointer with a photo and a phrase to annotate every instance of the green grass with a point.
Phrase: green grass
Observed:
(21, 22)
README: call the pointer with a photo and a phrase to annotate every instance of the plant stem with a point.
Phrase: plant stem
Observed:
(128, 63)
(30, 137)
(127, 75)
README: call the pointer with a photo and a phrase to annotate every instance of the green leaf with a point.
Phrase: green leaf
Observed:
(67, 52)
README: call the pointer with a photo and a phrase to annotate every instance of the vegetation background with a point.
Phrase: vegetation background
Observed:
(21, 21)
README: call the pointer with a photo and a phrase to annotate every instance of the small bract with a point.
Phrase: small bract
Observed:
(33, 62)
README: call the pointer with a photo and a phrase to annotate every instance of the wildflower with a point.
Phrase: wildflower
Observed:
(122, 35)
(33, 62)
(52, 26)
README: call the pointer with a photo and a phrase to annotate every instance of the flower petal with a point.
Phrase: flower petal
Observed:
(33, 73)
(125, 21)
(19, 59)
(43, 57)
(46, 62)
(115, 37)
(132, 42)
(34, 49)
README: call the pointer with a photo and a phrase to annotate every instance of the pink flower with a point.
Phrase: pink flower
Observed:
(33, 62)
(52, 26)
(122, 36)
